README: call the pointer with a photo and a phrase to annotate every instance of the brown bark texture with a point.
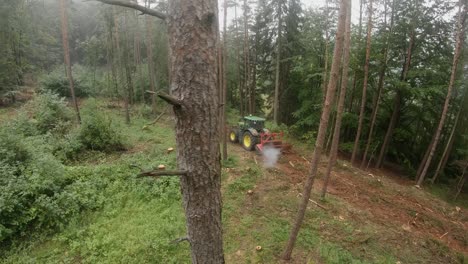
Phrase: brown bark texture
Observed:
(278, 65)
(458, 46)
(66, 55)
(364, 86)
(193, 29)
(341, 103)
(331, 90)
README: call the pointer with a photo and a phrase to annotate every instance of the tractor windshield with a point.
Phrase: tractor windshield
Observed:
(256, 124)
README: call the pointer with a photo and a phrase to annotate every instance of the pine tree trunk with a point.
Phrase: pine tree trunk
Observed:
(331, 90)
(149, 55)
(277, 70)
(341, 103)
(364, 87)
(396, 104)
(447, 149)
(66, 55)
(246, 59)
(327, 42)
(456, 58)
(383, 69)
(241, 89)
(224, 91)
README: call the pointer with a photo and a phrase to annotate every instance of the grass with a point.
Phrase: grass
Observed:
(140, 216)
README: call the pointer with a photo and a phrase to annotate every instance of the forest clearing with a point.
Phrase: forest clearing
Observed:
(233, 131)
(368, 217)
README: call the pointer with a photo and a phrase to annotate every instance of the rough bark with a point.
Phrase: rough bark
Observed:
(331, 90)
(66, 55)
(278, 64)
(459, 44)
(380, 84)
(193, 27)
(341, 102)
(364, 86)
(224, 89)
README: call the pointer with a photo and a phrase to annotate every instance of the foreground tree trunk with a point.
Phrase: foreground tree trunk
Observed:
(459, 44)
(193, 30)
(277, 70)
(364, 86)
(224, 88)
(341, 103)
(66, 55)
(335, 68)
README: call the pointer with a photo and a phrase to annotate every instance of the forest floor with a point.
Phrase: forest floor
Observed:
(367, 217)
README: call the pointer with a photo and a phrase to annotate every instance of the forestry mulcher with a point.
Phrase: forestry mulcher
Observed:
(252, 134)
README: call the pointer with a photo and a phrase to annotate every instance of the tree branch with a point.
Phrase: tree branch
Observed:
(180, 239)
(135, 6)
(170, 99)
(157, 173)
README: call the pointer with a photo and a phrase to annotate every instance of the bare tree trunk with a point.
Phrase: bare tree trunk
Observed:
(327, 42)
(456, 58)
(66, 55)
(246, 59)
(224, 91)
(341, 102)
(447, 149)
(461, 183)
(121, 67)
(364, 87)
(353, 90)
(383, 69)
(241, 89)
(278, 64)
(335, 69)
(149, 55)
(128, 73)
(396, 104)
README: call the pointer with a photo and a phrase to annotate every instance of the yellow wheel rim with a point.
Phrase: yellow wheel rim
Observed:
(247, 141)
(232, 136)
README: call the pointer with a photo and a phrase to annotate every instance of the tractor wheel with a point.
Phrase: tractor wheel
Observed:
(233, 136)
(249, 141)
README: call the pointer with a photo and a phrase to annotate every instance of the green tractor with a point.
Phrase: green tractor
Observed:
(252, 134)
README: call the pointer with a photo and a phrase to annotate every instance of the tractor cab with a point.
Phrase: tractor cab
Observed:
(254, 122)
(252, 134)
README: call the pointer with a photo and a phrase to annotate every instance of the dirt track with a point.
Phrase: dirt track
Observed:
(407, 216)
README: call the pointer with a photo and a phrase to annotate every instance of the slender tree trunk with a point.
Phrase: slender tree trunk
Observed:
(120, 65)
(353, 90)
(447, 149)
(456, 58)
(383, 69)
(66, 55)
(128, 73)
(341, 103)
(335, 69)
(224, 91)
(364, 87)
(278, 64)
(327, 42)
(396, 104)
(461, 183)
(241, 89)
(149, 55)
(246, 59)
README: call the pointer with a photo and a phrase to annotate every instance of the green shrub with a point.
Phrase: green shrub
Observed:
(97, 131)
(47, 112)
(13, 152)
(56, 82)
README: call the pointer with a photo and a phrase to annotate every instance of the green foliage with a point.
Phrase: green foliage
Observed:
(97, 132)
(56, 82)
